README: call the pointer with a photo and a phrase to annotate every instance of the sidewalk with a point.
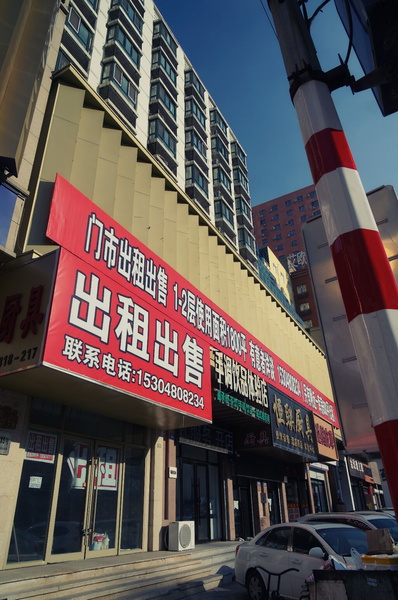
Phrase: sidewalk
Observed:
(231, 591)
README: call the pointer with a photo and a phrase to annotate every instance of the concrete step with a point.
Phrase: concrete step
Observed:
(93, 583)
(141, 576)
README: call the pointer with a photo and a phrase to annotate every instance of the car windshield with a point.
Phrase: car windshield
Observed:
(386, 523)
(342, 539)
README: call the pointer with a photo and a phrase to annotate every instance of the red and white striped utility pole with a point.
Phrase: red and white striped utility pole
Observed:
(368, 286)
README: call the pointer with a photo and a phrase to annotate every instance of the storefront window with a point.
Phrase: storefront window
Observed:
(96, 426)
(199, 495)
(45, 413)
(85, 508)
(133, 499)
(34, 500)
(319, 494)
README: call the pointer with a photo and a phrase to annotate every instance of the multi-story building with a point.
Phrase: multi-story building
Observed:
(129, 55)
(277, 225)
(148, 375)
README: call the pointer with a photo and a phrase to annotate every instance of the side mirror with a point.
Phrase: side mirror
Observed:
(316, 552)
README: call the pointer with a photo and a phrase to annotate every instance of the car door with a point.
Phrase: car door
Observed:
(273, 558)
(302, 542)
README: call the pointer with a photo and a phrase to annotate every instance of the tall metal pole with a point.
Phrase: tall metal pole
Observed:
(368, 287)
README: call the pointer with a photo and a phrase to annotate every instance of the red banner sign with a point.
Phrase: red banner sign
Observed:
(132, 321)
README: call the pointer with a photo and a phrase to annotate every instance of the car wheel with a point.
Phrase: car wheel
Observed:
(256, 587)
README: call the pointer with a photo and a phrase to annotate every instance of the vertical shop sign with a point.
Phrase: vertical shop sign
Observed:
(325, 439)
(24, 301)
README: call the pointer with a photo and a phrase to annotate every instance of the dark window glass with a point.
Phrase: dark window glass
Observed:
(45, 413)
(303, 541)
(32, 511)
(133, 499)
(277, 539)
(79, 421)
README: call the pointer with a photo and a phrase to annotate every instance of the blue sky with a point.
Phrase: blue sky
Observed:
(234, 50)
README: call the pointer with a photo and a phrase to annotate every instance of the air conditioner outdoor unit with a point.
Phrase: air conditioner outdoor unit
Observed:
(181, 535)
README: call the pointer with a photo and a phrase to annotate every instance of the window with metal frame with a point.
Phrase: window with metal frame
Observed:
(79, 28)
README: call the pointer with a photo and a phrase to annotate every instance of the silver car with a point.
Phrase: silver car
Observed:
(365, 519)
(281, 557)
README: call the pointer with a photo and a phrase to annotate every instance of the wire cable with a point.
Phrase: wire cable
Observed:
(268, 17)
(350, 30)
(317, 11)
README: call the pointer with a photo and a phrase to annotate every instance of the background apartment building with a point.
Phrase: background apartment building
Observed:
(277, 225)
(128, 54)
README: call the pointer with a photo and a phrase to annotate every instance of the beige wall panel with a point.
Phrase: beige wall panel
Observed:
(231, 286)
(182, 240)
(280, 339)
(238, 290)
(125, 186)
(140, 223)
(11, 467)
(251, 290)
(245, 309)
(214, 271)
(267, 304)
(156, 215)
(204, 269)
(222, 265)
(59, 157)
(85, 162)
(170, 228)
(107, 170)
(256, 298)
(193, 250)
(65, 125)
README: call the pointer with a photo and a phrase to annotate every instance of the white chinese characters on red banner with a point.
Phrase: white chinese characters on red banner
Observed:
(41, 446)
(114, 338)
(133, 322)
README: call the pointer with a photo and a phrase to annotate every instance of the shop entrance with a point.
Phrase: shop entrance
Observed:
(82, 491)
(86, 512)
(199, 493)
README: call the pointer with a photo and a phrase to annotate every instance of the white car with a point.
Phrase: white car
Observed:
(290, 552)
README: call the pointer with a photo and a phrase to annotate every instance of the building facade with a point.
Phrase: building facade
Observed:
(147, 374)
(277, 225)
(129, 55)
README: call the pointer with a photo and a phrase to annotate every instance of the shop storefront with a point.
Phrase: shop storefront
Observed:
(112, 363)
(82, 488)
(203, 454)
(319, 472)
(361, 484)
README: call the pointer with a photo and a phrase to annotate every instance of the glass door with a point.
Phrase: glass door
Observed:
(202, 503)
(86, 513)
(102, 513)
(200, 500)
